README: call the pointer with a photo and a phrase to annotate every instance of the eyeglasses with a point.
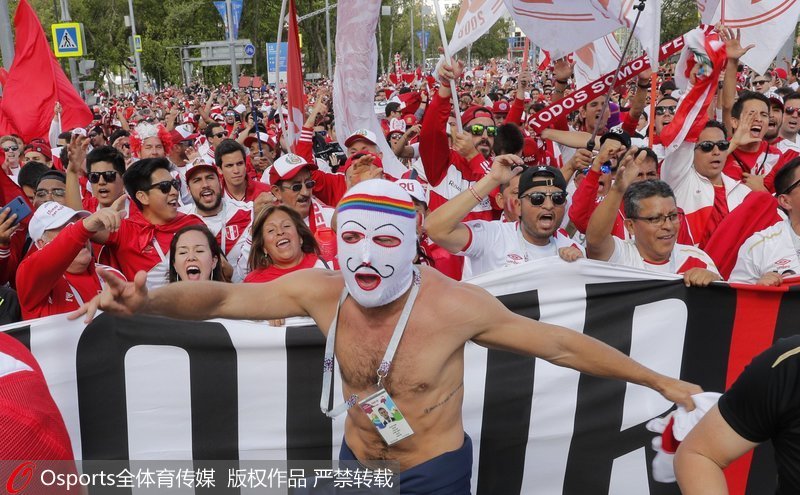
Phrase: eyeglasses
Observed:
(165, 186)
(477, 130)
(126, 145)
(298, 186)
(109, 176)
(537, 198)
(791, 110)
(659, 220)
(11, 148)
(707, 146)
(220, 135)
(56, 193)
(661, 110)
(760, 82)
(93, 134)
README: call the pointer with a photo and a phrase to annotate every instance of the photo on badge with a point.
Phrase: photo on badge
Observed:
(386, 417)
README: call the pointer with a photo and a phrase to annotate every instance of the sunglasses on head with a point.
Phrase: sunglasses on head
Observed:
(537, 198)
(108, 176)
(661, 110)
(165, 186)
(707, 146)
(477, 130)
(298, 186)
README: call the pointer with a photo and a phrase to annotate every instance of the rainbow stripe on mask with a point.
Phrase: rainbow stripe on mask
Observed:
(380, 204)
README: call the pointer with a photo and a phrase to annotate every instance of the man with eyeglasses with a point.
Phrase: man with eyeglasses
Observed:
(448, 172)
(142, 241)
(652, 219)
(694, 172)
(489, 245)
(231, 160)
(52, 186)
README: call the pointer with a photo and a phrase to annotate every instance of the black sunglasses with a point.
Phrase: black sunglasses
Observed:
(537, 198)
(220, 134)
(791, 188)
(477, 130)
(165, 186)
(665, 108)
(707, 146)
(109, 176)
(11, 148)
(759, 82)
(297, 187)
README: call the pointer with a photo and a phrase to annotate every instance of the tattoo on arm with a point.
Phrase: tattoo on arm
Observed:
(443, 401)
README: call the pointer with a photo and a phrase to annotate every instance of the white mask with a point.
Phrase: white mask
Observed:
(377, 241)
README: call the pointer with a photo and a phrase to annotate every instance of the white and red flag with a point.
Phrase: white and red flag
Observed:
(648, 28)
(296, 98)
(701, 62)
(765, 23)
(475, 18)
(595, 59)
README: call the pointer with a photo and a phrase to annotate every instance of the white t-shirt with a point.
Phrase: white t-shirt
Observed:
(496, 244)
(683, 258)
(770, 250)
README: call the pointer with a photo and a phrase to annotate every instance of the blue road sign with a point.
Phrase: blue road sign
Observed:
(249, 50)
(272, 56)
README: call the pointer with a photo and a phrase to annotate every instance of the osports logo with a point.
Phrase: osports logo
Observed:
(20, 478)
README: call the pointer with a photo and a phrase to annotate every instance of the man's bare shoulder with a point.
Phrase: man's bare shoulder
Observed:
(459, 301)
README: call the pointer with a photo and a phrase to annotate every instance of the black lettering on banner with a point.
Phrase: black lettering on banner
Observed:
(23, 334)
(100, 364)
(597, 440)
(507, 406)
(308, 432)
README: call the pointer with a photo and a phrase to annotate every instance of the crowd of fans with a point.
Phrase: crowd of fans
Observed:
(202, 184)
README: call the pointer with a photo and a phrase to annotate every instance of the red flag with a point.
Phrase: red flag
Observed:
(35, 83)
(294, 74)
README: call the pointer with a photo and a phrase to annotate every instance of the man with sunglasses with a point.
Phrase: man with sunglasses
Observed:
(215, 133)
(787, 137)
(489, 245)
(761, 84)
(694, 172)
(143, 239)
(104, 169)
(652, 219)
(448, 172)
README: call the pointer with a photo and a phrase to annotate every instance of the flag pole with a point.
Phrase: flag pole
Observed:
(453, 92)
(279, 106)
(639, 9)
(651, 122)
(525, 53)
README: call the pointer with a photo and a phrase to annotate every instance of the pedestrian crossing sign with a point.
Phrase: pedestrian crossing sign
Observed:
(67, 39)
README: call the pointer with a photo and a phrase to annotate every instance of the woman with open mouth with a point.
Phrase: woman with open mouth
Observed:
(282, 244)
(195, 255)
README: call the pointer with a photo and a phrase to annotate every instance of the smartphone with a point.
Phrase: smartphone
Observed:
(19, 207)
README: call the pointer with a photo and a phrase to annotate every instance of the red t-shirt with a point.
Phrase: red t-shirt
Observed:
(254, 188)
(272, 272)
(43, 284)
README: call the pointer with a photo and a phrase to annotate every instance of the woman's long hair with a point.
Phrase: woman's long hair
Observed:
(259, 259)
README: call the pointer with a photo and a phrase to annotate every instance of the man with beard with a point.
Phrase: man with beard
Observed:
(359, 310)
(450, 171)
(227, 219)
(489, 245)
(776, 118)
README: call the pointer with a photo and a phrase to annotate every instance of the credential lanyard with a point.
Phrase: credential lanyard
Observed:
(386, 363)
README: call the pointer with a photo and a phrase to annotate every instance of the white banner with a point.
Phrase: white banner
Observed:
(157, 389)
(560, 26)
(355, 75)
(765, 23)
(595, 59)
(475, 18)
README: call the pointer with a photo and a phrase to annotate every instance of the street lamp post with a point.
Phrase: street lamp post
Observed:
(136, 58)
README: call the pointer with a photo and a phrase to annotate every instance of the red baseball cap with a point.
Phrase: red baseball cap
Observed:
(286, 167)
(474, 112)
(501, 106)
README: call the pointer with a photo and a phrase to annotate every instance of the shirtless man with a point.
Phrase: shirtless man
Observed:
(377, 243)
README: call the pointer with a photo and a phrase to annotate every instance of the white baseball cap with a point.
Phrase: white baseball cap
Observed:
(51, 215)
(362, 135)
(414, 188)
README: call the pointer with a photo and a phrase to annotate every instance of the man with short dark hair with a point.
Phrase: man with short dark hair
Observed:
(489, 245)
(652, 218)
(143, 239)
(230, 157)
(51, 186)
(105, 166)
